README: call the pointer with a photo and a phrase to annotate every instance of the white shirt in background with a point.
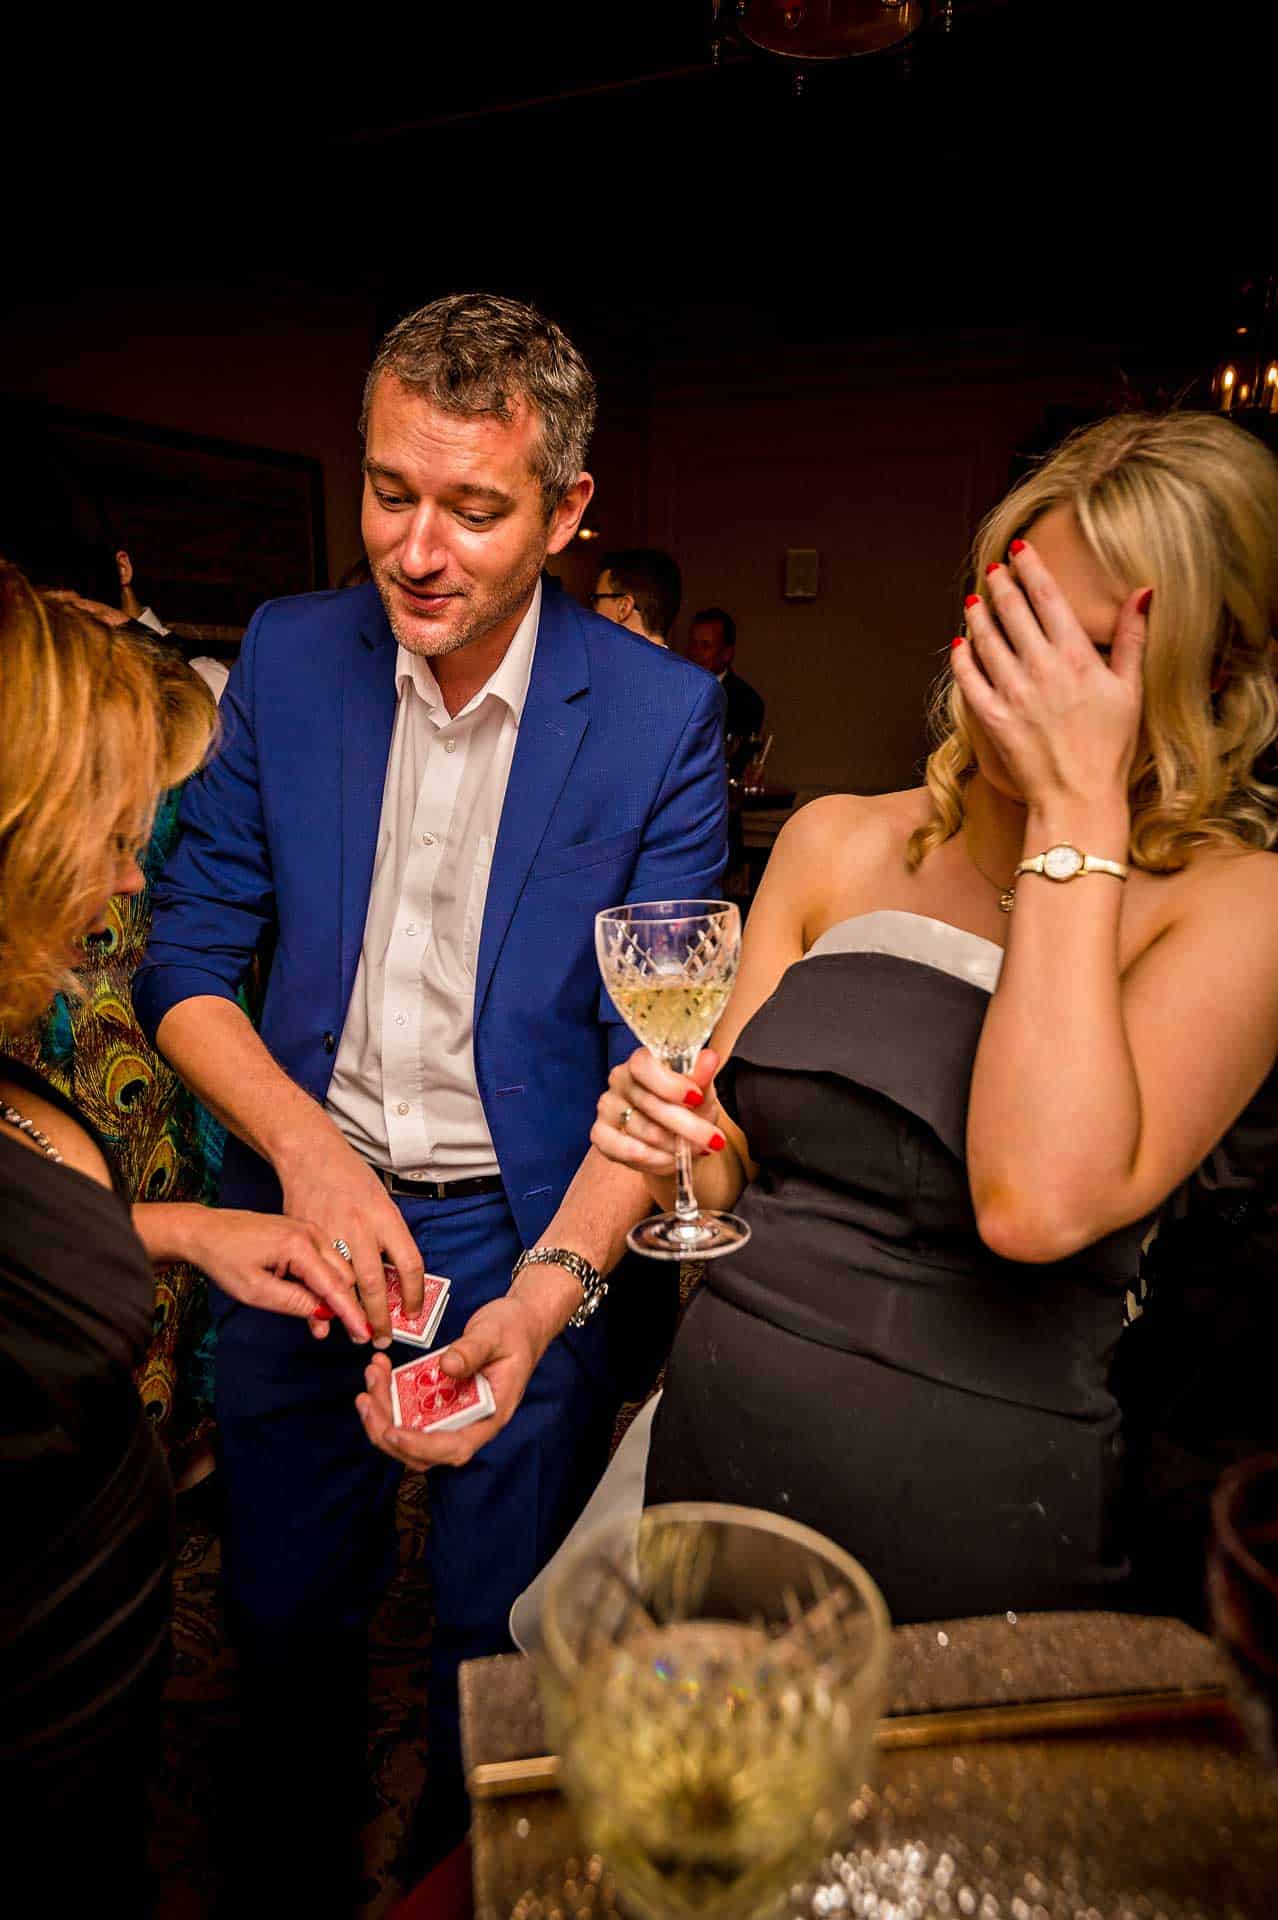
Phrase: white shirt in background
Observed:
(403, 1089)
(212, 672)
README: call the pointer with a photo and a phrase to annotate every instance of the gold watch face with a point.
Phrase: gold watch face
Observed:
(1062, 863)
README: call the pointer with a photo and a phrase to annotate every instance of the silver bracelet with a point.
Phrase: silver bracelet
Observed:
(593, 1285)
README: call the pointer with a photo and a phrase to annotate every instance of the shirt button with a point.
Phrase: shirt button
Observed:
(411, 927)
(401, 1019)
(428, 839)
(450, 746)
(402, 1107)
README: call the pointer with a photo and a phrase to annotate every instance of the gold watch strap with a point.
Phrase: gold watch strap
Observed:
(1086, 863)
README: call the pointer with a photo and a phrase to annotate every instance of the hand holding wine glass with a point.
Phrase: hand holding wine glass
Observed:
(669, 966)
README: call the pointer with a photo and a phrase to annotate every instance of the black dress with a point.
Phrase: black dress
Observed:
(866, 1365)
(1195, 1370)
(87, 1523)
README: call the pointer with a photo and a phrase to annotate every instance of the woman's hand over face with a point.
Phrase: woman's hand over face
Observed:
(657, 1105)
(1064, 717)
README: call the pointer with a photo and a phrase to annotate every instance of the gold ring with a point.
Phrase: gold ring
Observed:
(624, 1118)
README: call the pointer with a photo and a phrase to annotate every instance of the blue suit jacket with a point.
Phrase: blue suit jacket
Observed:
(616, 792)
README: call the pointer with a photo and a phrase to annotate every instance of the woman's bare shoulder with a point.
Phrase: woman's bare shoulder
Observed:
(837, 818)
(76, 1146)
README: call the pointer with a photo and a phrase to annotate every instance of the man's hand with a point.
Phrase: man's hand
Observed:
(262, 1259)
(503, 1341)
(325, 1181)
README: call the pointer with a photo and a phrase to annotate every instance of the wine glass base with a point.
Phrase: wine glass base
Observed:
(705, 1237)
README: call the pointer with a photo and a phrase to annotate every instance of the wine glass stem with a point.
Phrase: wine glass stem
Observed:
(686, 1205)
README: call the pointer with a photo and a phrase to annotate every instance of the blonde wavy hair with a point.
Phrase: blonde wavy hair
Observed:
(1188, 504)
(94, 725)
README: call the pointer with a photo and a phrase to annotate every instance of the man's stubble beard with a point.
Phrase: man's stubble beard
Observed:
(510, 595)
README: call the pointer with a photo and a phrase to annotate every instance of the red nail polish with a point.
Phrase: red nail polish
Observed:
(322, 1312)
(1017, 546)
(995, 566)
(957, 641)
(694, 1097)
(1143, 604)
(973, 600)
(717, 1143)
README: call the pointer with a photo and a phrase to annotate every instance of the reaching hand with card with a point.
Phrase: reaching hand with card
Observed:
(325, 1181)
(264, 1260)
(440, 1410)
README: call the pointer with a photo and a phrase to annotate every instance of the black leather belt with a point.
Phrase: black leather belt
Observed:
(438, 1189)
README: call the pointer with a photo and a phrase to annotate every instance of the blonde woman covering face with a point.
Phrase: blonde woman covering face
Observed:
(949, 1123)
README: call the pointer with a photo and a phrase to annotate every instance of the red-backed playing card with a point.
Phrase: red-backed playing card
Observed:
(417, 1329)
(426, 1400)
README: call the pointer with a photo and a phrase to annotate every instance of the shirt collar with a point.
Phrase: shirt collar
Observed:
(508, 683)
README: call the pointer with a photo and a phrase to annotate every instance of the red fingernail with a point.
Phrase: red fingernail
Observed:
(717, 1143)
(957, 641)
(1017, 546)
(973, 600)
(693, 1097)
(1143, 604)
(322, 1312)
(995, 566)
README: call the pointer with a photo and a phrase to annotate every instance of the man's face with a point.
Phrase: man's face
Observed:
(454, 519)
(708, 646)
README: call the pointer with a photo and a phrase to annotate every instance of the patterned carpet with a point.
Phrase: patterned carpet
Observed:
(200, 1713)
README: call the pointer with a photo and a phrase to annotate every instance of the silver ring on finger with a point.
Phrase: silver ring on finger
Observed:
(341, 1247)
(624, 1118)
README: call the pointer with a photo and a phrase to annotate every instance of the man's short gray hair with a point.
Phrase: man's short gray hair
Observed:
(477, 353)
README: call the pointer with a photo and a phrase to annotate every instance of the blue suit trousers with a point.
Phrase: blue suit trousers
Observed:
(310, 1541)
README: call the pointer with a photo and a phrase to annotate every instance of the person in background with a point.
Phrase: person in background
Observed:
(94, 727)
(712, 644)
(214, 673)
(640, 589)
(981, 1031)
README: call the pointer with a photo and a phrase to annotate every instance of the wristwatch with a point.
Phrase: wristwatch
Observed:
(593, 1285)
(1064, 862)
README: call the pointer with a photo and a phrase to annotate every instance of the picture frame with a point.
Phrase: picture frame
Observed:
(213, 527)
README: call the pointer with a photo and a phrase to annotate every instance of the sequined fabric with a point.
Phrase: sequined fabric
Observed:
(1173, 1822)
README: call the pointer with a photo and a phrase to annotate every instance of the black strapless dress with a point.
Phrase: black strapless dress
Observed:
(87, 1530)
(866, 1365)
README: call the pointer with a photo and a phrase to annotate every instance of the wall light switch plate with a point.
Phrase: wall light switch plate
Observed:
(802, 572)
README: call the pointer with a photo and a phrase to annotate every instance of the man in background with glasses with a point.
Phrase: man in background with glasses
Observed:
(640, 589)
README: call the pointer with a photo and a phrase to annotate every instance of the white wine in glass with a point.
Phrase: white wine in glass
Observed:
(712, 1677)
(669, 966)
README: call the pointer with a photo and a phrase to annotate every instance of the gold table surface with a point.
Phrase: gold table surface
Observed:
(1171, 1821)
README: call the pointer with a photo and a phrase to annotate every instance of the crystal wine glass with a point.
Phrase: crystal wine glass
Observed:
(669, 966)
(712, 1678)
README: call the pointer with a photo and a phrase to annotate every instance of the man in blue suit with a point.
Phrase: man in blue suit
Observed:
(426, 790)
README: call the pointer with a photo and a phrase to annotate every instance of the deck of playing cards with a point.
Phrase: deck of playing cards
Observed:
(428, 1401)
(417, 1329)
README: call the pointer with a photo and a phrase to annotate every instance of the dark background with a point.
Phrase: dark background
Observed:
(839, 322)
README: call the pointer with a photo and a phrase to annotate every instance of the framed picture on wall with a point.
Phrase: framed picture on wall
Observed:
(213, 527)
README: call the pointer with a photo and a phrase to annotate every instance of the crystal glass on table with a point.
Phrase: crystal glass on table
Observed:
(712, 1678)
(669, 966)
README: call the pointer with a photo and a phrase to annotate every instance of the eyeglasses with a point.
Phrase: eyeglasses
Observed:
(595, 598)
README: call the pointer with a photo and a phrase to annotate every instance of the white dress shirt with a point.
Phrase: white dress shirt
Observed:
(403, 1090)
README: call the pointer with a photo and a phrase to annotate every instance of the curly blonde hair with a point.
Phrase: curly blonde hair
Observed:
(94, 725)
(1186, 503)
